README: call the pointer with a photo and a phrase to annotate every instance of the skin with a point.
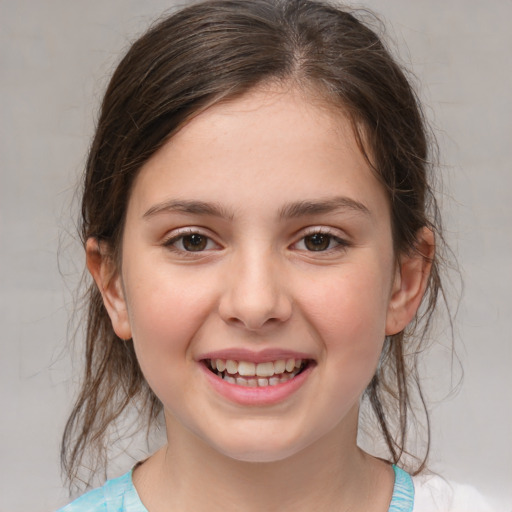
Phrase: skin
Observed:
(256, 285)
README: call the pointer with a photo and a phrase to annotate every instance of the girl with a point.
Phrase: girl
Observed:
(259, 223)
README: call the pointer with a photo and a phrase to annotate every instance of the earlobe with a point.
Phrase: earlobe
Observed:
(108, 280)
(412, 273)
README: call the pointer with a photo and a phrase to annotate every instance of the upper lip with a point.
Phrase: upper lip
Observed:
(261, 356)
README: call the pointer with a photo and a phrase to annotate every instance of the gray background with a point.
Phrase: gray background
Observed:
(55, 58)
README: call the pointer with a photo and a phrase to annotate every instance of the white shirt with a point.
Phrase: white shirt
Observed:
(434, 494)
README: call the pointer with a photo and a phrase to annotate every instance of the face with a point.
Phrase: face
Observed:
(258, 277)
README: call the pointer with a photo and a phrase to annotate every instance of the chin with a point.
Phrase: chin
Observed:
(263, 449)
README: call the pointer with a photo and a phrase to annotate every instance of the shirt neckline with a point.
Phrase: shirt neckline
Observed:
(402, 499)
(403, 492)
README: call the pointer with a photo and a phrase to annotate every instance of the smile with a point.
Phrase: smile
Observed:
(250, 374)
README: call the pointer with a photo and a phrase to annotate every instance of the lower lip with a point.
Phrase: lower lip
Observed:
(266, 395)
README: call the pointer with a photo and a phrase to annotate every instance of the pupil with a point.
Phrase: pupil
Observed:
(317, 242)
(194, 242)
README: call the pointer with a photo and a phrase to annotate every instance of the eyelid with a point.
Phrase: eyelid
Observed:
(177, 234)
(336, 234)
(326, 230)
(174, 236)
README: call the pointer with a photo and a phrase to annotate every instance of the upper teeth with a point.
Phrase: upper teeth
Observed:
(248, 369)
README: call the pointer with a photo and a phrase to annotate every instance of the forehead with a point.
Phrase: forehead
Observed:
(267, 147)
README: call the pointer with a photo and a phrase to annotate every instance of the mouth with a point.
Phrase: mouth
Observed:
(257, 375)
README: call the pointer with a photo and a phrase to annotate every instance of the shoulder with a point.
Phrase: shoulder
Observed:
(435, 494)
(93, 501)
(117, 495)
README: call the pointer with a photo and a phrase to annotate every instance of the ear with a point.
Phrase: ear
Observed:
(410, 282)
(108, 280)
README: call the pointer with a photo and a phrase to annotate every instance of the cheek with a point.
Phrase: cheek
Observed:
(350, 307)
(349, 317)
(165, 311)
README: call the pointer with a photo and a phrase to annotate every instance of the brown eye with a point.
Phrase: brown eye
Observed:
(194, 242)
(317, 242)
(190, 241)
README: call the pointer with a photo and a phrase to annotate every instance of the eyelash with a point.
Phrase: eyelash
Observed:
(171, 242)
(341, 244)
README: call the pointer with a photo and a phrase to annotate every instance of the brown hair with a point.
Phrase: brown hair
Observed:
(217, 50)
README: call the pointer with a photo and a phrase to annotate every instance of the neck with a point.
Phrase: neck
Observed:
(331, 474)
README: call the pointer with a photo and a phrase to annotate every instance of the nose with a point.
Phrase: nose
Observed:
(255, 296)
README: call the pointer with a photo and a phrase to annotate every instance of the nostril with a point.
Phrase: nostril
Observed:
(256, 321)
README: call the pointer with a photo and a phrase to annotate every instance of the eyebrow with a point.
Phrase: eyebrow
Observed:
(190, 207)
(304, 208)
(292, 210)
